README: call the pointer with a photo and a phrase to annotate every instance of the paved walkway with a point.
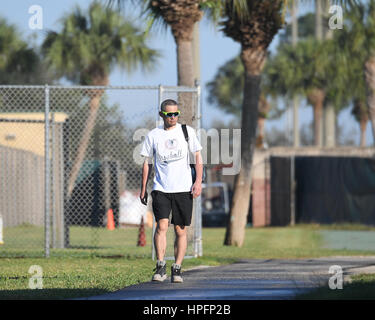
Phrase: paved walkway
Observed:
(350, 240)
(245, 280)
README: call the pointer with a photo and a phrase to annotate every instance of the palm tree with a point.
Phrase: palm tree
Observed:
(88, 47)
(360, 113)
(313, 69)
(226, 92)
(19, 63)
(305, 26)
(357, 39)
(322, 33)
(355, 80)
(10, 42)
(253, 24)
(226, 89)
(181, 16)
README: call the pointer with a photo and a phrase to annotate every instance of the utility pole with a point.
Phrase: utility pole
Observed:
(318, 20)
(329, 120)
(196, 53)
(296, 141)
(197, 208)
(319, 37)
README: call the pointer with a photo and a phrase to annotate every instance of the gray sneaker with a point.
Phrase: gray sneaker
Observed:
(160, 272)
(176, 274)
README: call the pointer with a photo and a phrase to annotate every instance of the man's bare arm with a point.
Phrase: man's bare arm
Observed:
(197, 186)
(146, 171)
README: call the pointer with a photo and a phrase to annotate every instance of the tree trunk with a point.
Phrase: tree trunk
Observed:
(318, 112)
(253, 61)
(261, 121)
(185, 76)
(95, 96)
(370, 91)
(363, 127)
(316, 99)
(319, 19)
(329, 126)
(260, 137)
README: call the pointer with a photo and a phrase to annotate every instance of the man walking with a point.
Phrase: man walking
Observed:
(173, 187)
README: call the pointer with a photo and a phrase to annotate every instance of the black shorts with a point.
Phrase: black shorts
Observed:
(181, 204)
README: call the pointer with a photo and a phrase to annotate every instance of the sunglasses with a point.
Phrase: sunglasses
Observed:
(170, 114)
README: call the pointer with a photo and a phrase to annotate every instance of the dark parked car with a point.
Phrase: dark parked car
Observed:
(215, 204)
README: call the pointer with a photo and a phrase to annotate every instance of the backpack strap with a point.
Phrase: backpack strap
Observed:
(184, 129)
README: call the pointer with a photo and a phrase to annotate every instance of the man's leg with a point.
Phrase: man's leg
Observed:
(180, 243)
(180, 246)
(160, 238)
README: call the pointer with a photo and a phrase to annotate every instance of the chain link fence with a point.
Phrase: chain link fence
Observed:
(69, 162)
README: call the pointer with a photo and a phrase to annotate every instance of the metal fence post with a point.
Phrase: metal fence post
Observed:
(61, 188)
(47, 174)
(292, 192)
(53, 167)
(198, 207)
(160, 96)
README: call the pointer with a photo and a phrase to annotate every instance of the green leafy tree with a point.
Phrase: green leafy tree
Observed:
(357, 39)
(19, 62)
(180, 16)
(305, 29)
(226, 92)
(313, 69)
(360, 112)
(252, 23)
(85, 51)
(355, 80)
(226, 89)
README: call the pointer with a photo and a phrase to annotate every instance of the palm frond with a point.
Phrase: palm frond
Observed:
(97, 41)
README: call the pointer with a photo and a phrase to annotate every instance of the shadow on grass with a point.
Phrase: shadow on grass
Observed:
(49, 294)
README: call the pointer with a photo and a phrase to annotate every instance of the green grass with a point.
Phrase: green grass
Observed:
(116, 262)
(338, 226)
(28, 241)
(362, 287)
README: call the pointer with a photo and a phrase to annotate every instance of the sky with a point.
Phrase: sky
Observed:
(216, 49)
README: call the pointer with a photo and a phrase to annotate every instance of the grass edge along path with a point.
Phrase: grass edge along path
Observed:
(72, 277)
(360, 287)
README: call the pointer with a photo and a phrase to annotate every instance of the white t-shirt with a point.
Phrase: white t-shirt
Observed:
(171, 157)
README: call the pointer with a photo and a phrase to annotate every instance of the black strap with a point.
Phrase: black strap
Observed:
(184, 129)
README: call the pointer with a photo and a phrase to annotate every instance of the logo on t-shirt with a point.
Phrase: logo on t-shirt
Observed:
(171, 143)
(170, 150)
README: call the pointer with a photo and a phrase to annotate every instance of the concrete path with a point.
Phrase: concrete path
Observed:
(350, 240)
(248, 279)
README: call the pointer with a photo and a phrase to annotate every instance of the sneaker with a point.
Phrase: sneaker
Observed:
(160, 272)
(176, 274)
